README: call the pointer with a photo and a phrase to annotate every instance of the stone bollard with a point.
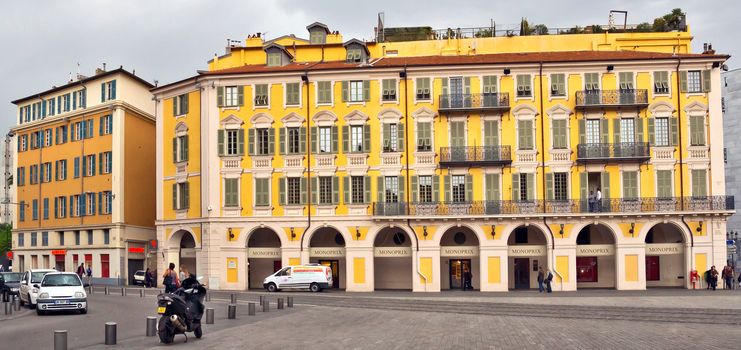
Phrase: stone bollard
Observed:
(106, 292)
(151, 326)
(232, 312)
(280, 303)
(290, 301)
(110, 333)
(234, 298)
(251, 309)
(60, 340)
(265, 305)
(209, 316)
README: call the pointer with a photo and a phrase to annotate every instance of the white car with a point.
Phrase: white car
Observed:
(140, 278)
(61, 291)
(28, 293)
(313, 277)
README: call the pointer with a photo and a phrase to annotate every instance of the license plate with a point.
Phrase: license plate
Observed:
(161, 310)
(61, 301)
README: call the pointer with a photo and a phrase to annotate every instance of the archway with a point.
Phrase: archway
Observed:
(595, 257)
(392, 259)
(187, 253)
(263, 256)
(459, 255)
(665, 256)
(527, 251)
(327, 247)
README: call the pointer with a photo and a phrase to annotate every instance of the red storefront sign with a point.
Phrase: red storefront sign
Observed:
(58, 252)
(9, 255)
(136, 250)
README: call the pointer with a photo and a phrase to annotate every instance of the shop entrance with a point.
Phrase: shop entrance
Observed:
(653, 268)
(665, 257)
(59, 262)
(392, 260)
(458, 268)
(335, 266)
(134, 265)
(459, 250)
(526, 247)
(595, 257)
(522, 273)
(263, 256)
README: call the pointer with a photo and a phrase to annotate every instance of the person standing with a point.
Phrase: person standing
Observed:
(713, 277)
(467, 277)
(598, 200)
(728, 276)
(591, 201)
(541, 279)
(170, 279)
(81, 270)
(548, 280)
(147, 278)
(89, 274)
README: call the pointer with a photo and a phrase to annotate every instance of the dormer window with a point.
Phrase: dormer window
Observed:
(318, 37)
(356, 51)
(354, 55)
(274, 59)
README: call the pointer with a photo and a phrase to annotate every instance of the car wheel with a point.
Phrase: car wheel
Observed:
(198, 332)
(83, 311)
(32, 306)
(272, 288)
(21, 300)
(40, 312)
(315, 288)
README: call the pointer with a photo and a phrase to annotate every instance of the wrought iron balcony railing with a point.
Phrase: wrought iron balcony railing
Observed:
(474, 102)
(569, 206)
(613, 152)
(475, 155)
(612, 98)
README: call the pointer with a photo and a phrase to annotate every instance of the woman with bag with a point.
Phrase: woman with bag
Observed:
(170, 279)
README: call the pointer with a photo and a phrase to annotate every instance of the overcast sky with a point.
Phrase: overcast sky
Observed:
(43, 41)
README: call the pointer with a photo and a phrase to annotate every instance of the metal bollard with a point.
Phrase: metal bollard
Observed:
(106, 291)
(151, 326)
(262, 299)
(208, 296)
(251, 309)
(265, 305)
(234, 298)
(209, 316)
(17, 303)
(290, 301)
(8, 308)
(60, 340)
(123, 291)
(110, 333)
(232, 312)
(280, 303)
(90, 289)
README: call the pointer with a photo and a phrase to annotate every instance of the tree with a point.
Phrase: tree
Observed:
(5, 238)
(540, 29)
(669, 21)
(643, 27)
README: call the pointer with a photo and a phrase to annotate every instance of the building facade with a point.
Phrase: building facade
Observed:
(731, 85)
(85, 177)
(406, 164)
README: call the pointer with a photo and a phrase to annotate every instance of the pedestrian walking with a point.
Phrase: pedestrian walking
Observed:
(147, 278)
(89, 274)
(81, 270)
(467, 277)
(548, 280)
(541, 279)
(728, 276)
(170, 279)
(713, 277)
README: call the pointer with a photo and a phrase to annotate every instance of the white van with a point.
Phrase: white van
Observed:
(314, 277)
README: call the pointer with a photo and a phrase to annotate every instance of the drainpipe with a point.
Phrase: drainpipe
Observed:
(681, 159)
(305, 79)
(542, 134)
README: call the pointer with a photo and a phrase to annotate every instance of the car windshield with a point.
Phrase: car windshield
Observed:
(12, 277)
(36, 277)
(139, 273)
(65, 280)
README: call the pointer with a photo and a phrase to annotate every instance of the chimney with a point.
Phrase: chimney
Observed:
(708, 49)
(99, 71)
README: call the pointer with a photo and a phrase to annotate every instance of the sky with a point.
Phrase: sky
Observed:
(43, 41)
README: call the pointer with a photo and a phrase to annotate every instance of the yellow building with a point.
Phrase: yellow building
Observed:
(406, 164)
(85, 177)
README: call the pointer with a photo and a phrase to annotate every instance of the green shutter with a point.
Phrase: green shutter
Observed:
(402, 187)
(605, 185)
(186, 195)
(271, 141)
(584, 186)
(240, 142)
(446, 188)
(184, 156)
(489, 178)
(174, 197)
(651, 133)
(706, 80)
(673, 128)
(314, 134)
(699, 183)
(282, 141)
(366, 90)
(639, 129)
(175, 149)
(184, 101)
(469, 188)
(414, 189)
(489, 133)
(366, 138)
(530, 186)
(515, 187)
(549, 186)
(683, 81)
(251, 141)
(346, 139)
(379, 188)
(495, 185)
(302, 139)
(366, 189)
(345, 91)
(616, 131)
(303, 190)
(582, 131)
(435, 188)
(334, 139)
(335, 189)
(282, 191)
(346, 189)
(604, 129)
(400, 138)
(386, 136)
(220, 137)
(444, 82)
(220, 96)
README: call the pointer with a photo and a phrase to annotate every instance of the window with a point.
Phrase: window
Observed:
(60, 204)
(560, 135)
(458, 190)
(627, 130)
(21, 239)
(60, 234)
(34, 240)
(107, 161)
(62, 134)
(106, 236)
(489, 84)
(558, 85)
(356, 138)
(77, 237)
(61, 170)
(525, 134)
(90, 237)
(263, 141)
(324, 94)
(524, 187)
(77, 131)
(293, 142)
(261, 95)
(88, 165)
(75, 206)
(88, 128)
(694, 81)
(317, 37)
(106, 202)
(107, 91)
(661, 82)
(697, 130)
(231, 192)
(325, 190)
(389, 90)
(524, 88)
(664, 184)
(391, 188)
(354, 55)
(275, 59)
(423, 88)
(560, 186)
(626, 81)
(22, 211)
(45, 239)
(106, 125)
(661, 132)
(180, 105)
(591, 81)
(356, 91)
(262, 192)
(699, 183)
(79, 98)
(47, 137)
(180, 195)
(231, 142)
(89, 203)
(230, 96)
(294, 191)
(46, 172)
(34, 140)
(293, 95)
(593, 131)
(33, 174)
(424, 136)
(66, 102)
(51, 105)
(358, 189)
(630, 184)
(35, 210)
(425, 189)
(325, 139)
(180, 148)
(390, 137)
(23, 143)
(21, 177)
(45, 208)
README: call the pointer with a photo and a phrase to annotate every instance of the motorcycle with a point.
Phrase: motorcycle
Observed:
(181, 311)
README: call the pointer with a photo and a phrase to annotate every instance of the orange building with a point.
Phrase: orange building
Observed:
(85, 177)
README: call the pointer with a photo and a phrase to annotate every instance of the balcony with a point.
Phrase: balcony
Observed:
(587, 99)
(566, 207)
(475, 156)
(474, 102)
(613, 152)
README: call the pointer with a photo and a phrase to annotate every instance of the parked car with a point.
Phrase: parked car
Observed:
(27, 292)
(140, 278)
(61, 291)
(11, 281)
(313, 277)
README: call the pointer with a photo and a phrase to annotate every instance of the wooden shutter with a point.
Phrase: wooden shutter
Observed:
(334, 139)
(240, 95)
(549, 186)
(639, 129)
(314, 134)
(436, 188)
(345, 91)
(582, 131)
(616, 131)
(402, 187)
(175, 149)
(673, 129)
(302, 139)
(604, 131)
(251, 140)
(271, 141)
(282, 140)
(335, 189)
(605, 185)
(366, 138)
(282, 190)
(366, 90)
(515, 187)
(174, 197)
(584, 186)
(303, 190)
(386, 130)
(651, 132)
(446, 188)
(174, 110)
(220, 137)
(469, 188)
(530, 186)
(683, 81)
(346, 139)
(220, 96)
(366, 189)
(380, 188)
(184, 104)
(444, 83)
(240, 142)
(699, 183)
(414, 189)
(400, 138)
(706, 80)
(346, 189)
